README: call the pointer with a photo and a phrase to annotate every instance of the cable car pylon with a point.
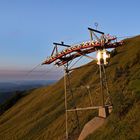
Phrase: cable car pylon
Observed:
(70, 53)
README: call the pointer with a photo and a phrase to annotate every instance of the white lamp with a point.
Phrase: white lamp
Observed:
(102, 55)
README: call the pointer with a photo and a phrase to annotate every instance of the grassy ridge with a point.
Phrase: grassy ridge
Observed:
(40, 114)
(124, 122)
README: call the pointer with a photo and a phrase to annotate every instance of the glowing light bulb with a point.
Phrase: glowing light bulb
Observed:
(99, 57)
(102, 56)
(105, 56)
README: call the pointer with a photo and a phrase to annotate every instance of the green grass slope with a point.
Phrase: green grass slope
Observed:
(124, 122)
(41, 116)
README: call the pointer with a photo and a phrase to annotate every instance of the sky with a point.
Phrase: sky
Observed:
(29, 27)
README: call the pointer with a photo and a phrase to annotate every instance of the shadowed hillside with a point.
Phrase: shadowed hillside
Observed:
(40, 115)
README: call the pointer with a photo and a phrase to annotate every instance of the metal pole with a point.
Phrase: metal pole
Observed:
(101, 83)
(91, 36)
(106, 84)
(90, 97)
(65, 92)
(76, 113)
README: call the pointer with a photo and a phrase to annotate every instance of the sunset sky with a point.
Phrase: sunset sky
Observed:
(29, 27)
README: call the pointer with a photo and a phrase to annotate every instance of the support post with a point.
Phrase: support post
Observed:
(66, 108)
(67, 83)
(107, 89)
(104, 110)
(101, 57)
(101, 84)
(90, 97)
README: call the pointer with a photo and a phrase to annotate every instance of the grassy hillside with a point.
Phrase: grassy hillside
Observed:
(124, 122)
(40, 115)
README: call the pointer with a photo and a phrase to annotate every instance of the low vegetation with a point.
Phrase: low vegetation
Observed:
(8, 103)
(41, 114)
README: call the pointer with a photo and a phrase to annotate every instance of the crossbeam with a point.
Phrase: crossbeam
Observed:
(61, 44)
(97, 31)
(87, 108)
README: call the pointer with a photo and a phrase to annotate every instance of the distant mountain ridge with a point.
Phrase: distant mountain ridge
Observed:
(22, 85)
(7, 89)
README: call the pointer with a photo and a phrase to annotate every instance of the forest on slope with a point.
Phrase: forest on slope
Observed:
(41, 114)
